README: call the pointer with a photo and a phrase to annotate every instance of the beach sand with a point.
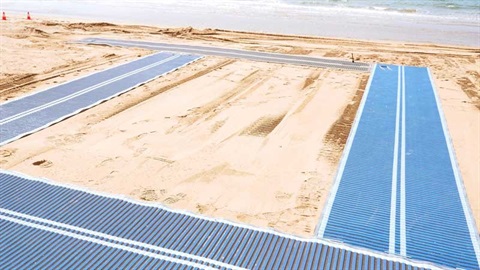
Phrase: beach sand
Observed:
(252, 142)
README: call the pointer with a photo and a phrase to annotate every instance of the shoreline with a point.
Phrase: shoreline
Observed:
(365, 25)
(81, 19)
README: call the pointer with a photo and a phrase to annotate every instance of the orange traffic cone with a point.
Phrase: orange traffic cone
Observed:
(4, 17)
(28, 16)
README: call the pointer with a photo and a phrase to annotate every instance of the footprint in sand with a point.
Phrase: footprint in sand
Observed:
(139, 151)
(104, 162)
(66, 139)
(175, 198)
(7, 152)
(93, 115)
(149, 194)
(111, 175)
(202, 208)
(307, 229)
(243, 217)
(141, 122)
(130, 141)
(283, 195)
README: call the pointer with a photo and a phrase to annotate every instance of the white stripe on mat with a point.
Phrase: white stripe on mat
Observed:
(403, 233)
(107, 236)
(393, 202)
(333, 244)
(84, 91)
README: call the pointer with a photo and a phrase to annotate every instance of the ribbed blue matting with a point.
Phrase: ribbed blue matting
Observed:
(31, 113)
(49, 226)
(398, 188)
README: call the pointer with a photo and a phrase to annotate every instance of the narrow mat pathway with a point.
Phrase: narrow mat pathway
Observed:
(28, 114)
(234, 53)
(398, 188)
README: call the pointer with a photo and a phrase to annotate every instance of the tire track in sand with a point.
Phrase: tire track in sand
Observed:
(143, 97)
(206, 112)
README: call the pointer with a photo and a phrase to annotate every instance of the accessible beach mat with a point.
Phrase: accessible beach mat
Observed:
(235, 53)
(44, 225)
(28, 114)
(398, 188)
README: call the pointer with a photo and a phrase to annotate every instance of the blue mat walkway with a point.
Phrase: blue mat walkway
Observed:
(31, 113)
(398, 188)
(48, 226)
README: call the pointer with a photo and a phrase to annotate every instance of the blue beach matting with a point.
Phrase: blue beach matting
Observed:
(44, 225)
(398, 188)
(31, 113)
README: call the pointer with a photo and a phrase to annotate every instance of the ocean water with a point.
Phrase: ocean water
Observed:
(451, 9)
(454, 22)
(455, 9)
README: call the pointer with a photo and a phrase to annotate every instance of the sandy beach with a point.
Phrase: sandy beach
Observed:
(429, 21)
(252, 142)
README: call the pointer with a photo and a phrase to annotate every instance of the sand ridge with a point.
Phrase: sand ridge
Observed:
(251, 142)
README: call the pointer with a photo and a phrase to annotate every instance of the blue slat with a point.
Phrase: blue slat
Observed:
(156, 233)
(290, 254)
(167, 229)
(324, 259)
(215, 242)
(296, 257)
(147, 232)
(203, 230)
(256, 259)
(360, 261)
(230, 245)
(347, 261)
(269, 255)
(223, 243)
(251, 248)
(304, 263)
(180, 229)
(285, 249)
(276, 253)
(204, 239)
(128, 231)
(184, 244)
(309, 257)
(234, 244)
(185, 235)
(335, 258)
